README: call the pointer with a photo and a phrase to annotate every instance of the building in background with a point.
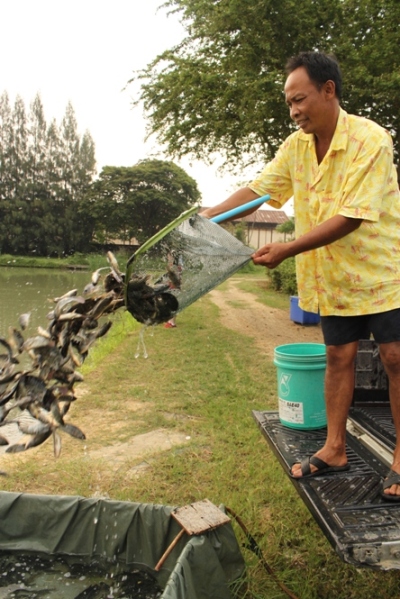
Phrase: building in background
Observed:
(260, 227)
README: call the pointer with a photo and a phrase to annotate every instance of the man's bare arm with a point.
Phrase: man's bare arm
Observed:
(240, 197)
(272, 254)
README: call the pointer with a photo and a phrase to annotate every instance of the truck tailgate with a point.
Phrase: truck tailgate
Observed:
(363, 528)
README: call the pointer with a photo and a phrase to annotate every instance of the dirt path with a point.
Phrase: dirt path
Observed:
(270, 327)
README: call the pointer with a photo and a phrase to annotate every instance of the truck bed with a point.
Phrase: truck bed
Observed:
(363, 528)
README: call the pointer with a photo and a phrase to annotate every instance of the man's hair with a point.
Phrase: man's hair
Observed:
(320, 68)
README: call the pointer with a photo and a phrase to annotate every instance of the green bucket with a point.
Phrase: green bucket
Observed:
(301, 373)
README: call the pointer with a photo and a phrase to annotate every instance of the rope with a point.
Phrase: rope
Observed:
(252, 545)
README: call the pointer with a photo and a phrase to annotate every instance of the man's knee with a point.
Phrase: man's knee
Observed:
(390, 357)
(341, 356)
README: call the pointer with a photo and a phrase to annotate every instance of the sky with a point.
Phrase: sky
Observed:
(85, 52)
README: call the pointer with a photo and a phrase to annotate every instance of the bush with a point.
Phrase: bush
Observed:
(249, 268)
(283, 277)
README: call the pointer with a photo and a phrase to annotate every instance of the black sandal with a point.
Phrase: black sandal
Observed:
(393, 478)
(322, 468)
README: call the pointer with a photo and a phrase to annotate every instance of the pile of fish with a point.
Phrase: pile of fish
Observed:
(38, 396)
(151, 304)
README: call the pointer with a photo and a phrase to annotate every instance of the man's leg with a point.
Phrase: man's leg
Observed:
(390, 356)
(339, 388)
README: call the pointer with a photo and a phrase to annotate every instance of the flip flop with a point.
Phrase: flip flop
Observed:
(323, 468)
(393, 478)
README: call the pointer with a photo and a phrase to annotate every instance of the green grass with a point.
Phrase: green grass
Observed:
(259, 284)
(203, 381)
(89, 261)
(266, 295)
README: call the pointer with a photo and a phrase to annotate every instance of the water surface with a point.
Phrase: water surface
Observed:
(31, 290)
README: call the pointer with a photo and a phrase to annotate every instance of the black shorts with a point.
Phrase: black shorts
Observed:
(338, 330)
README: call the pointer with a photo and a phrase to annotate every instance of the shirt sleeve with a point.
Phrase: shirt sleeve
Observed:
(368, 179)
(275, 179)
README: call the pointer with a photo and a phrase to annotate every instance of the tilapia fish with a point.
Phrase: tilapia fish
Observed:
(42, 393)
(149, 304)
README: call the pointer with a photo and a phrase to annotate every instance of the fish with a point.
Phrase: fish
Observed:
(6, 344)
(7, 374)
(65, 302)
(92, 291)
(174, 277)
(70, 293)
(24, 320)
(51, 418)
(73, 431)
(96, 275)
(113, 282)
(95, 591)
(101, 306)
(56, 444)
(8, 394)
(28, 441)
(15, 340)
(67, 316)
(37, 398)
(11, 590)
(31, 426)
(37, 342)
(147, 304)
(44, 332)
(111, 259)
(31, 386)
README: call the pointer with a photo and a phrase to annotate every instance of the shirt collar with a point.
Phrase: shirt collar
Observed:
(340, 137)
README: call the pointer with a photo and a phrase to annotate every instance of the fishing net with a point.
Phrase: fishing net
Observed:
(183, 265)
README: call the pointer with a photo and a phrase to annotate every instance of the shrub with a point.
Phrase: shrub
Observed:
(283, 277)
(249, 268)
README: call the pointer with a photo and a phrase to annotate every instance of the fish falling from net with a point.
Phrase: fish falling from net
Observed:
(37, 398)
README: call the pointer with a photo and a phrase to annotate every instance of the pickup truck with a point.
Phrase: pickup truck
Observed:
(363, 528)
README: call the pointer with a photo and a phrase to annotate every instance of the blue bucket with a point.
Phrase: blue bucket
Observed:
(301, 374)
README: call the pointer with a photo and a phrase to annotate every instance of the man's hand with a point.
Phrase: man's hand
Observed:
(272, 254)
(336, 227)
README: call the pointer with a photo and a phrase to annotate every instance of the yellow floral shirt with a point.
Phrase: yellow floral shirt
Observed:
(360, 273)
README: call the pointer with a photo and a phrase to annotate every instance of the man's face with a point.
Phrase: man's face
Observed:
(307, 103)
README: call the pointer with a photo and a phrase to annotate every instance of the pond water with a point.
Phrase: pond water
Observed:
(31, 290)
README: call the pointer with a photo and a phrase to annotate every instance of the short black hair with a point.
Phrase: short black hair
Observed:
(320, 68)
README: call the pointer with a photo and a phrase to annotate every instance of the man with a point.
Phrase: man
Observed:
(339, 169)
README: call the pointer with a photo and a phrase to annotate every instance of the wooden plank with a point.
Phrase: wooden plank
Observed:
(199, 517)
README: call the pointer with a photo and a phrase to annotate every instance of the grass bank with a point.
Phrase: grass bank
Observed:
(202, 381)
(85, 261)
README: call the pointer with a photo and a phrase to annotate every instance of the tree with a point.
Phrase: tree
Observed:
(6, 184)
(54, 187)
(220, 90)
(44, 175)
(127, 202)
(35, 198)
(15, 214)
(287, 227)
(367, 46)
(68, 187)
(37, 148)
(19, 150)
(87, 160)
